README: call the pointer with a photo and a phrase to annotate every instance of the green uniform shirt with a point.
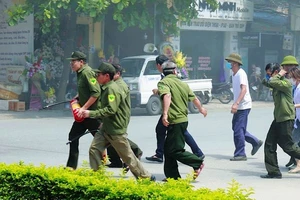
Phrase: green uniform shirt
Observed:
(125, 92)
(87, 86)
(181, 94)
(283, 100)
(114, 111)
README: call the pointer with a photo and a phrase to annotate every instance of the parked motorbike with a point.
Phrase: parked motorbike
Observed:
(222, 92)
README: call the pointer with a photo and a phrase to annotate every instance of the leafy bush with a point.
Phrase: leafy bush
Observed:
(20, 181)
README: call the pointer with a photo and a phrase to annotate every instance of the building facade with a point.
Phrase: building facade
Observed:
(208, 39)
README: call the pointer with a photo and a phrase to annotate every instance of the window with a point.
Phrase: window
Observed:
(151, 69)
(132, 67)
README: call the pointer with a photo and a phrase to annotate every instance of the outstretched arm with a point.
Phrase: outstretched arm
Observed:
(198, 104)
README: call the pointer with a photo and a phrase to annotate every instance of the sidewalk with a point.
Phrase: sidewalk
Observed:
(211, 106)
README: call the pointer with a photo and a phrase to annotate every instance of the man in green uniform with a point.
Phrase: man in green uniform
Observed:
(175, 95)
(88, 95)
(284, 116)
(111, 152)
(115, 114)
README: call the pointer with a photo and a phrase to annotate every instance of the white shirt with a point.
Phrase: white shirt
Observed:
(297, 100)
(240, 78)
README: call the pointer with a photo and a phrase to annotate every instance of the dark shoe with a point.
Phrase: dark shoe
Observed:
(153, 178)
(291, 162)
(155, 158)
(255, 149)
(239, 158)
(165, 180)
(113, 165)
(269, 176)
(198, 171)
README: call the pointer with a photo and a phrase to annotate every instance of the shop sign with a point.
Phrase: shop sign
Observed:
(213, 25)
(14, 73)
(16, 42)
(288, 41)
(204, 63)
(240, 10)
(249, 40)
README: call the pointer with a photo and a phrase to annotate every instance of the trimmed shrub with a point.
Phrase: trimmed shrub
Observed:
(20, 181)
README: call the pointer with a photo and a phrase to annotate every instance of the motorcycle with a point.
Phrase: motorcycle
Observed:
(222, 92)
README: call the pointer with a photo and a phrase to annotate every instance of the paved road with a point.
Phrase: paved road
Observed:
(40, 137)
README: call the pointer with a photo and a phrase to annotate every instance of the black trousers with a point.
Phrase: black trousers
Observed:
(77, 130)
(161, 132)
(279, 133)
(114, 158)
(174, 151)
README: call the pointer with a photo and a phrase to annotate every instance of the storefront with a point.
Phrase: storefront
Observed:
(267, 39)
(209, 39)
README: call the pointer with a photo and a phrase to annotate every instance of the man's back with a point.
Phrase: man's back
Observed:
(181, 94)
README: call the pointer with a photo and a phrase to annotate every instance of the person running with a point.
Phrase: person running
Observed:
(115, 114)
(175, 95)
(88, 97)
(161, 130)
(114, 158)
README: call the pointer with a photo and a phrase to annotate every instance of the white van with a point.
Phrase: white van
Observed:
(142, 76)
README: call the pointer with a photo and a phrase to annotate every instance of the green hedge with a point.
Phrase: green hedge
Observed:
(20, 181)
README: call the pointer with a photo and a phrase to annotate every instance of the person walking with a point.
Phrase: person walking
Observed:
(115, 114)
(289, 62)
(114, 158)
(295, 76)
(88, 96)
(282, 125)
(161, 130)
(240, 110)
(175, 95)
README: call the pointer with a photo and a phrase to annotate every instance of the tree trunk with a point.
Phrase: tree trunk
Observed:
(69, 39)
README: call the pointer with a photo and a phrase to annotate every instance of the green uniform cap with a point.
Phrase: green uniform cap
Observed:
(289, 60)
(105, 68)
(235, 58)
(77, 55)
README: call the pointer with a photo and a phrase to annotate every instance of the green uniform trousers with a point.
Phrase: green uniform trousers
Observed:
(279, 133)
(114, 158)
(174, 151)
(120, 143)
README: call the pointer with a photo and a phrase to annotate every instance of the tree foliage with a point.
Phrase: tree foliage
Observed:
(59, 16)
(127, 13)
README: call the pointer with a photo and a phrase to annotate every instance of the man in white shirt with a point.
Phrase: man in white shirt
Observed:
(240, 110)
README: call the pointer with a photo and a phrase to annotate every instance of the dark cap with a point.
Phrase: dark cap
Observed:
(168, 65)
(118, 67)
(105, 68)
(77, 55)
